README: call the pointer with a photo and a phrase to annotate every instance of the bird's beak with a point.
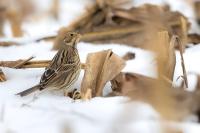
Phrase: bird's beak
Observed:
(79, 37)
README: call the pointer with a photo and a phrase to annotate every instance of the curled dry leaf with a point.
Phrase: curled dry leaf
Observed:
(101, 67)
(129, 84)
(152, 90)
(166, 57)
(2, 76)
(142, 88)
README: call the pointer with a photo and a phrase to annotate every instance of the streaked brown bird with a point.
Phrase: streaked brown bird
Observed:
(64, 68)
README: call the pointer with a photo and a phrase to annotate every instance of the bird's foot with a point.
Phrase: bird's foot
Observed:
(74, 94)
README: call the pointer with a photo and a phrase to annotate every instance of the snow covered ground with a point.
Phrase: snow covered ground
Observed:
(51, 112)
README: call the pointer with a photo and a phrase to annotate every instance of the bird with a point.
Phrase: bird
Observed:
(64, 68)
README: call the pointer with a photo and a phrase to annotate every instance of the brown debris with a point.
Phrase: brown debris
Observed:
(22, 63)
(129, 56)
(143, 88)
(2, 76)
(2, 19)
(28, 64)
(166, 57)
(197, 10)
(6, 44)
(15, 20)
(15, 12)
(133, 27)
(194, 38)
(101, 67)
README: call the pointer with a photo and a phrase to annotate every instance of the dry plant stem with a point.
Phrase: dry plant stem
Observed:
(182, 61)
(103, 35)
(2, 76)
(29, 64)
(6, 44)
(20, 64)
(106, 35)
(15, 20)
(184, 32)
(197, 10)
(2, 19)
(47, 38)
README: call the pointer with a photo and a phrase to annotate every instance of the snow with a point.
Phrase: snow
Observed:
(51, 112)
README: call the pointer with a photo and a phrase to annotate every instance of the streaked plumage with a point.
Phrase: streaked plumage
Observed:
(64, 68)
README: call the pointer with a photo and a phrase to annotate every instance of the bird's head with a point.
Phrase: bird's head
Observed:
(71, 39)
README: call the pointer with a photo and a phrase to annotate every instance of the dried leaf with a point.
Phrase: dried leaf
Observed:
(101, 67)
(133, 27)
(142, 88)
(131, 84)
(194, 38)
(166, 55)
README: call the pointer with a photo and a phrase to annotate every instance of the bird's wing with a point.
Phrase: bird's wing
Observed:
(47, 76)
(51, 74)
(57, 66)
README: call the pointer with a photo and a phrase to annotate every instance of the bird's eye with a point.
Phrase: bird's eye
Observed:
(71, 34)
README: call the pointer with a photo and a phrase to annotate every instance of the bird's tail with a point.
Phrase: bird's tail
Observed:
(28, 91)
